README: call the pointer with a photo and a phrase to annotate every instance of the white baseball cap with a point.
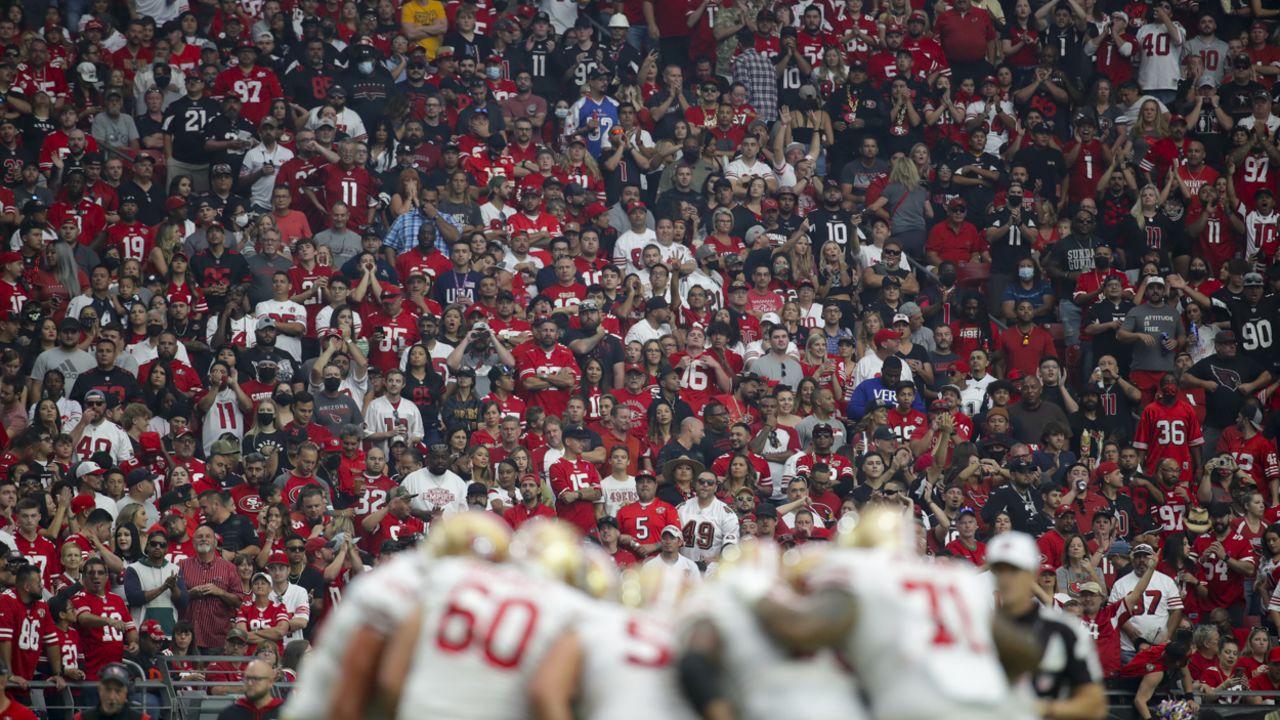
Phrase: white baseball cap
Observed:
(1016, 549)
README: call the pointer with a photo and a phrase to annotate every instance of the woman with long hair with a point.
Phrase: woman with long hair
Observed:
(424, 386)
(741, 474)
(592, 386)
(652, 359)
(408, 195)
(382, 146)
(1253, 654)
(1078, 566)
(831, 74)
(660, 428)
(806, 389)
(836, 279)
(168, 240)
(460, 405)
(580, 167)
(1151, 124)
(904, 203)
(865, 341)
(59, 279)
(452, 326)
(786, 397)
(488, 433)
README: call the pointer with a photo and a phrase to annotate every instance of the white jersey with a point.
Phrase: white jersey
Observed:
(765, 681)
(429, 491)
(1151, 617)
(1259, 230)
(627, 659)
(1159, 56)
(922, 646)
(628, 250)
(402, 418)
(617, 493)
(105, 436)
(380, 599)
(707, 529)
(223, 416)
(297, 602)
(680, 566)
(485, 629)
(326, 315)
(284, 311)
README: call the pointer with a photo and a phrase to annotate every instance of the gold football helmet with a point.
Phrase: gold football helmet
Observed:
(553, 550)
(655, 586)
(474, 534)
(798, 562)
(601, 579)
(879, 526)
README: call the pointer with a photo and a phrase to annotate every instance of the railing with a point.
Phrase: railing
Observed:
(177, 698)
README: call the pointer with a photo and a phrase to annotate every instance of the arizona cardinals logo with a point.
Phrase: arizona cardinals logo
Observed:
(1226, 377)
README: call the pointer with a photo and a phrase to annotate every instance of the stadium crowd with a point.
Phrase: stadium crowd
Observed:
(289, 281)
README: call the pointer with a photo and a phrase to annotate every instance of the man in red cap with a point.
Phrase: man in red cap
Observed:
(886, 345)
(390, 330)
(293, 597)
(13, 293)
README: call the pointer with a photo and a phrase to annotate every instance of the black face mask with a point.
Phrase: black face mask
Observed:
(266, 418)
(154, 330)
(1198, 274)
(285, 399)
(266, 375)
(162, 81)
(947, 278)
(1015, 201)
(1102, 263)
(331, 384)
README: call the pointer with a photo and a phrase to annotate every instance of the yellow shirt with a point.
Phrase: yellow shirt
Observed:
(425, 13)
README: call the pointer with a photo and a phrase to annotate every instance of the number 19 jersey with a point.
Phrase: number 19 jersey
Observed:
(485, 629)
(922, 646)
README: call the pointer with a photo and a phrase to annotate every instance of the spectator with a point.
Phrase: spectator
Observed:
(214, 586)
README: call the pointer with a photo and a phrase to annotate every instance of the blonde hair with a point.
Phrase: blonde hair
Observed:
(1136, 211)
(902, 170)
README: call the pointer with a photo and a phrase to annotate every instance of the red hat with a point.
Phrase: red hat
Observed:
(10, 257)
(886, 335)
(184, 432)
(333, 444)
(314, 545)
(892, 28)
(1104, 469)
(152, 629)
(768, 204)
(94, 24)
(81, 503)
(391, 291)
(1065, 510)
(918, 15)
(594, 210)
(635, 205)
(174, 202)
(1259, 24)
(278, 558)
(635, 366)
(150, 442)
(960, 366)
(940, 404)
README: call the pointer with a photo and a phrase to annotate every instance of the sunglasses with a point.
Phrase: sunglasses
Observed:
(153, 543)
(92, 403)
(295, 548)
(706, 482)
(891, 252)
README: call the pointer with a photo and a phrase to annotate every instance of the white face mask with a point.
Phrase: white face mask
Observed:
(242, 219)
(562, 112)
(1026, 273)
(493, 73)
(365, 67)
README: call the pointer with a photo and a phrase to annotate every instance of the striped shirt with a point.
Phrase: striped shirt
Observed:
(210, 616)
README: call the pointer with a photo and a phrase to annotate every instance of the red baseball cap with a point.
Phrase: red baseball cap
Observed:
(1105, 469)
(278, 558)
(886, 335)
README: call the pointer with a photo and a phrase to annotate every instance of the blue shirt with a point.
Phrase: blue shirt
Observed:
(403, 235)
(1014, 291)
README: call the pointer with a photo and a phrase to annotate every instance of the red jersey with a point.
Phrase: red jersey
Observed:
(393, 528)
(977, 556)
(535, 362)
(89, 216)
(1086, 170)
(12, 296)
(563, 296)
(388, 337)
(1105, 630)
(29, 628)
(1252, 175)
(905, 426)
(354, 186)
(256, 618)
(521, 514)
(544, 222)
(303, 280)
(133, 240)
(40, 552)
(811, 45)
(644, 522)
(841, 467)
(432, 263)
(697, 381)
(574, 476)
(68, 643)
(48, 79)
(1168, 432)
(105, 644)
(1256, 456)
(1225, 586)
(256, 89)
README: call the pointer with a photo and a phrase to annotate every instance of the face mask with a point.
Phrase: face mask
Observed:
(154, 330)
(947, 278)
(1169, 390)
(1015, 201)
(266, 418)
(285, 399)
(365, 67)
(1102, 263)
(266, 375)
(162, 81)
(331, 384)
(241, 220)
(493, 73)
(1198, 274)
(562, 112)
(1026, 273)
(111, 263)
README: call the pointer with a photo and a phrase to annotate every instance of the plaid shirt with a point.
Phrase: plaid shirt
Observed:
(403, 235)
(209, 614)
(757, 73)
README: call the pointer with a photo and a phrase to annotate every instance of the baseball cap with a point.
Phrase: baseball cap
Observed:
(118, 673)
(1014, 548)
(266, 323)
(1088, 587)
(1253, 279)
(1105, 469)
(279, 558)
(152, 629)
(671, 530)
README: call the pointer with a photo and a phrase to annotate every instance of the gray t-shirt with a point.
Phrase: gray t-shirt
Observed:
(345, 245)
(1154, 321)
(786, 371)
(70, 364)
(334, 412)
(906, 209)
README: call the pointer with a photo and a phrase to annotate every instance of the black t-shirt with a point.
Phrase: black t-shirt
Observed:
(1105, 343)
(223, 128)
(1007, 251)
(1223, 404)
(608, 351)
(119, 385)
(150, 201)
(236, 532)
(1255, 327)
(308, 86)
(229, 267)
(1046, 165)
(1158, 233)
(186, 120)
(834, 225)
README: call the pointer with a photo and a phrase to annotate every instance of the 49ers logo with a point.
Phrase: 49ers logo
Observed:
(251, 504)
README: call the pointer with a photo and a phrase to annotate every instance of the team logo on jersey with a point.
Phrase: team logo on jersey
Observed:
(251, 504)
(1226, 377)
